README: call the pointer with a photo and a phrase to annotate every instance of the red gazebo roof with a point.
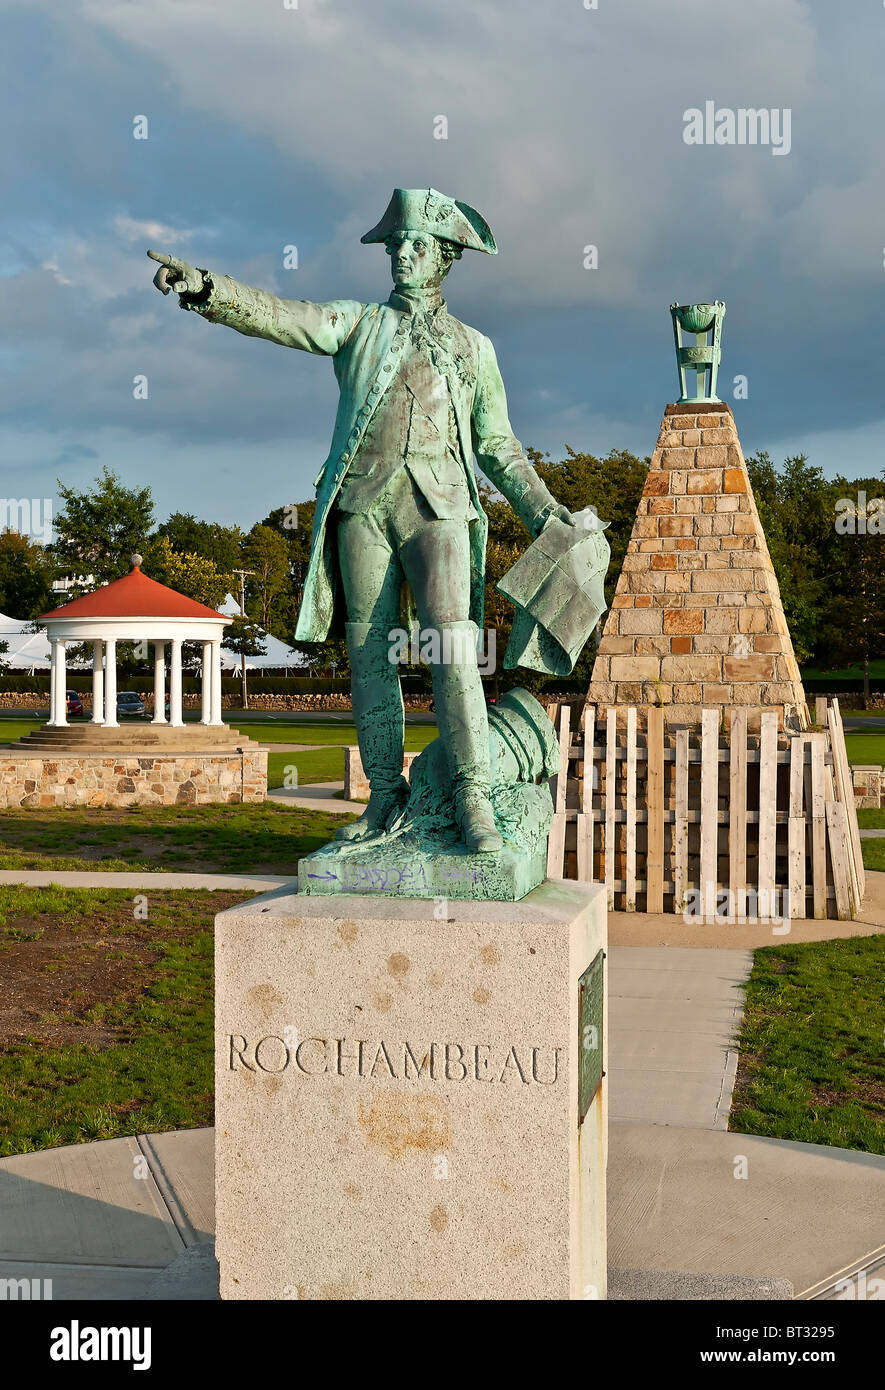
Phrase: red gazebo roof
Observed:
(134, 596)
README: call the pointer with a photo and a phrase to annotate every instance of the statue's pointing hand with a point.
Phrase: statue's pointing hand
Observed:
(176, 275)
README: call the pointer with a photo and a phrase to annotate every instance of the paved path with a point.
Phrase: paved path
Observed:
(103, 1220)
(317, 796)
(76, 878)
(674, 1013)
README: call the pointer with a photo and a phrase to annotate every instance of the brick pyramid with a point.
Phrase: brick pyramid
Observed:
(697, 620)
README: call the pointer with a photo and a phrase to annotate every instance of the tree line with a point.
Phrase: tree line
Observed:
(826, 537)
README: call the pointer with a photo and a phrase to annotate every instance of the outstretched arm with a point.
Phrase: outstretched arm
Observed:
(295, 323)
(500, 454)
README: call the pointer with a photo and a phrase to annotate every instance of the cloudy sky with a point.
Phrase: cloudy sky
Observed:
(270, 126)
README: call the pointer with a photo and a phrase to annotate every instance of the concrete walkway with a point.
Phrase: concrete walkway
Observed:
(105, 1220)
(317, 796)
(87, 878)
(674, 1014)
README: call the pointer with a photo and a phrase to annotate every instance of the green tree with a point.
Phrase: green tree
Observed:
(26, 574)
(98, 530)
(265, 553)
(222, 545)
(189, 573)
(244, 638)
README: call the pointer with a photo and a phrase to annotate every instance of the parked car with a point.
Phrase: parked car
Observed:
(130, 702)
(74, 703)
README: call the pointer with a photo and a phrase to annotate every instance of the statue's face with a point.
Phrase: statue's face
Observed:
(415, 260)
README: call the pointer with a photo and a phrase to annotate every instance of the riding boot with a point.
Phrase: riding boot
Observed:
(463, 726)
(380, 727)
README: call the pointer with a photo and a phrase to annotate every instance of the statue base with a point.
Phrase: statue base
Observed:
(400, 868)
(409, 1108)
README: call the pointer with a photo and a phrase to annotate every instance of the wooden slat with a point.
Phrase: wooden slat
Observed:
(837, 829)
(654, 897)
(556, 839)
(737, 825)
(709, 811)
(796, 830)
(767, 808)
(818, 825)
(844, 794)
(630, 805)
(585, 816)
(820, 710)
(680, 826)
(610, 741)
(840, 752)
(561, 781)
(556, 847)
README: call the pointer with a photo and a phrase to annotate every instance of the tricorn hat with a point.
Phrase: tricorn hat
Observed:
(426, 210)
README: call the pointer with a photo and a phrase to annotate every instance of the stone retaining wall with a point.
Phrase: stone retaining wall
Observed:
(869, 784)
(197, 779)
(32, 699)
(356, 783)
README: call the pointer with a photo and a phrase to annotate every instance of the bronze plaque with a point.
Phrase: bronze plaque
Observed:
(590, 1023)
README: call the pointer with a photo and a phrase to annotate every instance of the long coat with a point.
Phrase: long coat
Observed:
(365, 342)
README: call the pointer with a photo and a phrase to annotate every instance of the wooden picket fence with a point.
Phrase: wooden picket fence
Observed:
(703, 821)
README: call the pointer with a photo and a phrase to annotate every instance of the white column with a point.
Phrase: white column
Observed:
(110, 683)
(59, 684)
(206, 674)
(51, 720)
(175, 719)
(159, 683)
(216, 684)
(97, 683)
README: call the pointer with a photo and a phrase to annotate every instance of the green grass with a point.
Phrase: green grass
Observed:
(263, 838)
(877, 672)
(812, 1063)
(327, 764)
(315, 765)
(866, 747)
(144, 1011)
(13, 729)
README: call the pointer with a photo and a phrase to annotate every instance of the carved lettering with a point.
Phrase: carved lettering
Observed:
(382, 1052)
(535, 1077)
(409, 1056)
(271, 1038)
(307, 1070)
(238, 1046)
(512, 1057)
(362, 1059)
(455, 1061)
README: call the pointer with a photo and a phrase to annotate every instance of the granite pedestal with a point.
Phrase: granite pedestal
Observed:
(397, 1097)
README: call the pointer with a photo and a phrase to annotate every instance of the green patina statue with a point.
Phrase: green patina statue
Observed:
(398, 511)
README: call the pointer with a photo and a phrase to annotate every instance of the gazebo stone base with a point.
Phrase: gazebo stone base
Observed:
(135, 738)
(121, 779)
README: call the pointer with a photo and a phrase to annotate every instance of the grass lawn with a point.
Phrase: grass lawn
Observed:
(877, 672)
(105, 1020)
(11, 730)
(327, 764)
(866, 747)
(812, 1064)
(264, 838)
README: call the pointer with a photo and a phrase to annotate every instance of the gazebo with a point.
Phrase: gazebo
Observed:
(136, 608)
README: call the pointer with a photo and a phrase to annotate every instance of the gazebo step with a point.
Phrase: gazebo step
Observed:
(132, 739)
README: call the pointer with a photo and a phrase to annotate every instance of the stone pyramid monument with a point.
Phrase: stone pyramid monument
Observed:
(696, 619)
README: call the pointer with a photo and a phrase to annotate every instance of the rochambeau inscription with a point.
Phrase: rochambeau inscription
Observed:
(361, 1058)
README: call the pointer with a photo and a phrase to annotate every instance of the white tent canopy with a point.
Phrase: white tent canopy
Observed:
(27, 651)
(276, 652)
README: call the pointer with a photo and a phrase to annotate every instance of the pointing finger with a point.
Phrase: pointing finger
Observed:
(163, 257)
